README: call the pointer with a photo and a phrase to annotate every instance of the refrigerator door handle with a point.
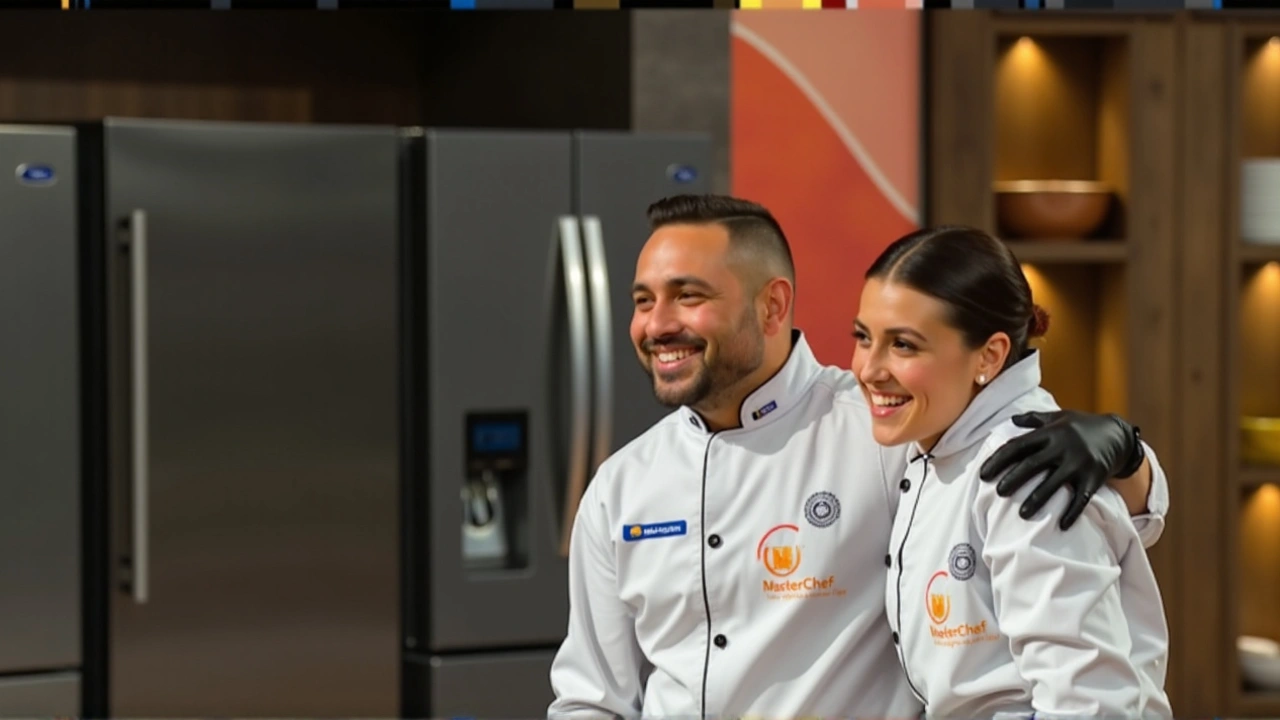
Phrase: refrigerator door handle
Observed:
(136, 225)
(602, 337)
(575, 282)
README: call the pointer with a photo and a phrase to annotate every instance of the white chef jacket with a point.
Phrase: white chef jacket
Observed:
(997, 616)
(740, 573)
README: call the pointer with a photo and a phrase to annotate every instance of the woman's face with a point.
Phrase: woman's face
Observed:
(916, 371)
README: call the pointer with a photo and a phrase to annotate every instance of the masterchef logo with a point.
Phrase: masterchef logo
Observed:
(938, 605)
(937, 601)
(779, 552)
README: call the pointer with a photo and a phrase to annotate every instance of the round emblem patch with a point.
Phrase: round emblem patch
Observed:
(821, 509)
(963, 561)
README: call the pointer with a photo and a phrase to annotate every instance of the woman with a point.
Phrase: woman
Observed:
(994, 615)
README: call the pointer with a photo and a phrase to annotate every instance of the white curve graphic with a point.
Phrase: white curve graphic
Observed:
(846, 136)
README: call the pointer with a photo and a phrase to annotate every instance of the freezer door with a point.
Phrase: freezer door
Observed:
(52, 695)
(618, 176)
(496, 374)
(254, 425)
(39, 402)
(498, 686)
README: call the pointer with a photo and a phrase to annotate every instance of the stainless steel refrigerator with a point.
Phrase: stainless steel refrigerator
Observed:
(522, 248)
(240, 334)
(40, 424)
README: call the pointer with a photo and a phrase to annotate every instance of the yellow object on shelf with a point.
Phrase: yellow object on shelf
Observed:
(1260, 440)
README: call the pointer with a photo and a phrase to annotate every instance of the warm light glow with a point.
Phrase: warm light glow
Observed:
(1260, 343)
(1042, 291)
(1260, 518)
(1268, 56)
(1269, 276)
(1259, 571)
(1260, 101)
(1027, 55)
(1263, 289)
(1036, 279)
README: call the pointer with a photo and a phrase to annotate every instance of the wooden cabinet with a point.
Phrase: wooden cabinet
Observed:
(1166, 314)
(1019, 98)
(1251, 296)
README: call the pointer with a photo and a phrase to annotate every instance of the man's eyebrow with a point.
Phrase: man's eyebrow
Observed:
(686, 280)
(681, 281)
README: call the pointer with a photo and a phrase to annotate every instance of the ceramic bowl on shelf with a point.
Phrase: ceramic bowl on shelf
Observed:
(1052, 209)
(1260, 200)
(1259, 661)
(1260, 440)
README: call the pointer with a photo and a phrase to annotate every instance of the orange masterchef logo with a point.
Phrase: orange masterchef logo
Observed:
(938, 604)
(779, 550)
(937, 601)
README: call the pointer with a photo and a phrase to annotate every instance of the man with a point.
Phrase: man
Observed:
(731, 561)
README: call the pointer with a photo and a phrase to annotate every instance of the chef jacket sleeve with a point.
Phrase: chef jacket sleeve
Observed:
(1150, 525)
(1057, 598)
(597, 670)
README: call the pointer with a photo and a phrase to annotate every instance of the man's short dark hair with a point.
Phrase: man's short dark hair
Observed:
(754, 234)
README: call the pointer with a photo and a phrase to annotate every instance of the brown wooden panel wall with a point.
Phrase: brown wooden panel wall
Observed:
(491, 69)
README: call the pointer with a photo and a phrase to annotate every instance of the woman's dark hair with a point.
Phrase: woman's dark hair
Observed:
(975, 275)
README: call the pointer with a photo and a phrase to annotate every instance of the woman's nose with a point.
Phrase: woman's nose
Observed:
(873, 369)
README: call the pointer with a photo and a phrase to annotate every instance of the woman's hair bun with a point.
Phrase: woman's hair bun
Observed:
(1038, 325)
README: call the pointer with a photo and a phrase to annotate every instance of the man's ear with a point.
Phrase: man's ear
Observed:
(777, 296)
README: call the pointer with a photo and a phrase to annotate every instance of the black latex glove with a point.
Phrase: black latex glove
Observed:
(1080, 450)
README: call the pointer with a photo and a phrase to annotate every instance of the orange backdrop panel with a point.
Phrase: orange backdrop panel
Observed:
(825, 133)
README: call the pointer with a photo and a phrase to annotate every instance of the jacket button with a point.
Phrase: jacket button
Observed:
(905, 485)
(888, 561)
(714, 541)
(721, 641)
(895, 638)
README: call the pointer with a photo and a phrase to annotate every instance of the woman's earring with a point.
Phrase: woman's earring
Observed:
(982, 379)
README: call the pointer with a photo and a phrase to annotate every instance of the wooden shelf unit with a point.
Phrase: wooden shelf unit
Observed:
(1250, 253)
(1253, 477)
(1027, 98)
(1090, 97)
(1191, 309)
(1252, 380)
(1055, 252)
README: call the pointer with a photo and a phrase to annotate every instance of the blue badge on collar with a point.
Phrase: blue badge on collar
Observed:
(631, 533)
(768, 408)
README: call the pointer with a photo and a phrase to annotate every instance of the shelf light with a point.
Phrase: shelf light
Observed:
(1041, 290)
(1267, 280)
(1263, 509)
(1024, 49)
(1270, 52)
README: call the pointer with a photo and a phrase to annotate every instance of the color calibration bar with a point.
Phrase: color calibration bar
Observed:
(1028, 5)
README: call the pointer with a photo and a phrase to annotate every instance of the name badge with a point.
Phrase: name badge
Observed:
(632, 533)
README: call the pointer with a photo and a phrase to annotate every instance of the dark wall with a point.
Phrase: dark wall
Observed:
(482, 69)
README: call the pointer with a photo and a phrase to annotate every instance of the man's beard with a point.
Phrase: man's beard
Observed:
(739, 355)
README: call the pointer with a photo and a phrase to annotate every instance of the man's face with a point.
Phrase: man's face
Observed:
(695, 331)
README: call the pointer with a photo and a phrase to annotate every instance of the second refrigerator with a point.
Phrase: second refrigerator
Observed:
(523, 247)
